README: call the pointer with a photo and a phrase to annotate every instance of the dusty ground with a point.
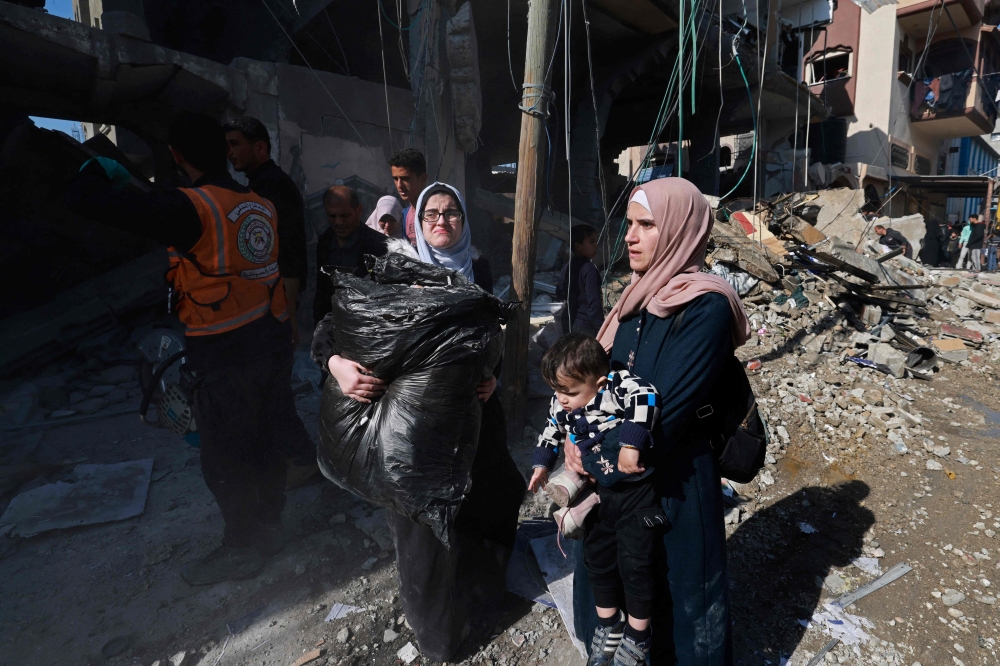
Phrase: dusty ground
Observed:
(66, 596)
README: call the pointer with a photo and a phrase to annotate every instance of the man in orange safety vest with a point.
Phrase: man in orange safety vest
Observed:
(222, 245)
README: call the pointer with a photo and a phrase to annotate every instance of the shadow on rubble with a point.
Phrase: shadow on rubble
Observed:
(777, 567)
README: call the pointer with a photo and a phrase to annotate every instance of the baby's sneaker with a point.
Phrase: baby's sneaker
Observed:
(564, 487)
(606, 641)
(631, 653)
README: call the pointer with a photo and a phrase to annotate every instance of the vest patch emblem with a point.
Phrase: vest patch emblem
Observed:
(256, 239)
(235, 213)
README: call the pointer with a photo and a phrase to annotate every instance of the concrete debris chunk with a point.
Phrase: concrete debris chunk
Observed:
(890, 357)
(408, 653)
(952, 597)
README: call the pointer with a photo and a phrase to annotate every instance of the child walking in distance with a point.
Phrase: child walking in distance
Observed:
(608, 415)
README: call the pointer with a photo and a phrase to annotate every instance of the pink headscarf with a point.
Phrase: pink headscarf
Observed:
(674, 276)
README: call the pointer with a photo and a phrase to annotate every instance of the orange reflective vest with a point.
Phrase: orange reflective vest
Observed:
(230, 277)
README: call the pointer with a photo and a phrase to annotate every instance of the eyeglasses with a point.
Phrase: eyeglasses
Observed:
(451, 216)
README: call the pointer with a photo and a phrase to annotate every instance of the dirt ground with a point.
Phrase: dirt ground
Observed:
(824, 500)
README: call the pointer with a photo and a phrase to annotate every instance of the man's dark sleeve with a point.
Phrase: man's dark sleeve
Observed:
(166, 216)
(291, 226)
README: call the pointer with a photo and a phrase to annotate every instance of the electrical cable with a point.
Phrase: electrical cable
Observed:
(510, 63)
(326, 13)
(722, 95)
(678, 78)
(412, 18)
(753, 144)
(318, 79)
(805, 157)
(760, 99)
(567, 92)
(798, 87)
(680, 97)
(402, 47)
(555, 44)
(385, 77)
(597, 122)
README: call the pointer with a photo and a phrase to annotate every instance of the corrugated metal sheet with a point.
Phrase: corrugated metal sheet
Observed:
(975, 157)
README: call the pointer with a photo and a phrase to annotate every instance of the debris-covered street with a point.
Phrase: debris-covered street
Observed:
(865, 471)
(302, 296)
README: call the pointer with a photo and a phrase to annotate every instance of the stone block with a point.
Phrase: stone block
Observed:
(889, 356)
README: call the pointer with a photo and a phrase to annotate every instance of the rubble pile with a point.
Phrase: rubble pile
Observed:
(854, 334)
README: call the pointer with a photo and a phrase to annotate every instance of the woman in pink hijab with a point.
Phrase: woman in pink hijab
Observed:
(676, 327)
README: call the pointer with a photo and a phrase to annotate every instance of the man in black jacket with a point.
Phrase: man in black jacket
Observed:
(892, 239)
(344, 245)
(977, 235)
(250, 153)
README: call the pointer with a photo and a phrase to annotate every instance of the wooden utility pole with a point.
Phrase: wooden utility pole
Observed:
(542, 21)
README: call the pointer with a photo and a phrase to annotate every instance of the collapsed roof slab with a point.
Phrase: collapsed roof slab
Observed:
(59, 68)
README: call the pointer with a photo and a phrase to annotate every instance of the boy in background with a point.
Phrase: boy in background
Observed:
(579, 284)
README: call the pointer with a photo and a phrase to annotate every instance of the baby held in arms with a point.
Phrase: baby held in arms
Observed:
(608, 416)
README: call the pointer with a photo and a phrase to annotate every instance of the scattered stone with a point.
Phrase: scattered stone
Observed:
(941, 451)
(408, 653)
(835, 584)
(389, 636)
(890, 357)
(179, 658)
(952, 597)
(934, 466)
(344, 635)
(300, 569)
(312, 655)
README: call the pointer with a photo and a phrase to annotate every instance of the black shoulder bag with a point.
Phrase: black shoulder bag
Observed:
(732, 421)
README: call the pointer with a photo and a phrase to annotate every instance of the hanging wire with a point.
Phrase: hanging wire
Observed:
(567, 90)
(681, 73)
(798, 87)
(680, 98)
(318, 79)
(326, 13)
(402, 47)
(597, 122)
(398, 25)
(510, 63)
(385, 77)
(722, 95)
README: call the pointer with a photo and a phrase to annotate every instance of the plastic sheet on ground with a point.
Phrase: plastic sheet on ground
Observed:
(524, 577)
(558, 572)
(101, 494)
(835, 622)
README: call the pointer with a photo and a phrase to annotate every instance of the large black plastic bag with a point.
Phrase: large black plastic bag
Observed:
(411, 450)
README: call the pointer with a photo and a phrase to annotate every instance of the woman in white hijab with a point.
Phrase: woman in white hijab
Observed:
(387, 217)
(441, 589)
(444, 238)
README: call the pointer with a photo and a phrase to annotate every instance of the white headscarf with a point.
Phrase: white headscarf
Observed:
(459, 256)
(387, 205)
